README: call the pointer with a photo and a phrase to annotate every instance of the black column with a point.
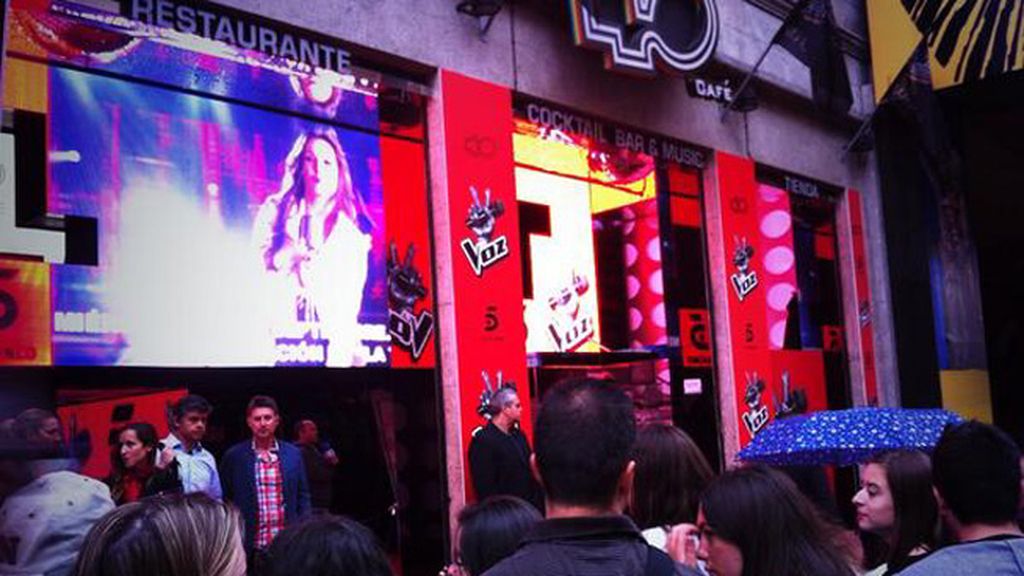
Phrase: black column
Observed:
(907, 204)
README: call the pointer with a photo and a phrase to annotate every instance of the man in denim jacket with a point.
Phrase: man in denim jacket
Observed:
(976, 472)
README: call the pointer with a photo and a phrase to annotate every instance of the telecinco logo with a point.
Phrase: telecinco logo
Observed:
(683, 33)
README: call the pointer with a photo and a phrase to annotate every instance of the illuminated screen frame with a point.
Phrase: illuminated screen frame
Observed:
(83, 335)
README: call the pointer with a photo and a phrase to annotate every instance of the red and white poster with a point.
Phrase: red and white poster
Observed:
(102, 420)
(799, 384)
(411, 319)
(745, 271)
(487, 290)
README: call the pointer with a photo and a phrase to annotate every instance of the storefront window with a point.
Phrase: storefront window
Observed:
(613, 268)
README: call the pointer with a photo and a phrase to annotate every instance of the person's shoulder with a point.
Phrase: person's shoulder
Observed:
(480, 436)
(937, 562)
(982, 556)
(67, 492)
(285, 447)
(516, 564)
(236, 450)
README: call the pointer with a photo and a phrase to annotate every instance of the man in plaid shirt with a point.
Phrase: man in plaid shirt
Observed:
(265, 478)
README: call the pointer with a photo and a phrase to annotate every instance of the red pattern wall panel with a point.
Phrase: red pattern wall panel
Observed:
(487, 273)
(752, 362)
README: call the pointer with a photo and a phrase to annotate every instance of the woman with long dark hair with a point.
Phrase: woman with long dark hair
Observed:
(137, 469)
(313, 234)
(670, 474)
(896, 503)
(754, 522)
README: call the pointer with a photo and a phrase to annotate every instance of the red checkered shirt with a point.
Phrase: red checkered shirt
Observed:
(269, 495)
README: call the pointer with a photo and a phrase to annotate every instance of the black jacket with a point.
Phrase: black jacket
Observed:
(164, 481)
(592, 546)
(500, 464)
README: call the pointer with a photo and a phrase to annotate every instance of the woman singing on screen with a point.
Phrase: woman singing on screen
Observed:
(313, 235)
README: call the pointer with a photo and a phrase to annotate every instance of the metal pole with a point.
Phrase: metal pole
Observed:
(797, 9)
(746, 80)
(859, 134)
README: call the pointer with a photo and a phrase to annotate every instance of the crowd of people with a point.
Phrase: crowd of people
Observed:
(601, 497)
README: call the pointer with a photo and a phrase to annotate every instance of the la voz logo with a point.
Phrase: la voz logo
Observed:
(745, 279)
(641, 36)
(411, 331)
(485, 251)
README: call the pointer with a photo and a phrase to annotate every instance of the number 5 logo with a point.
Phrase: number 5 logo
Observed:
(683, 33)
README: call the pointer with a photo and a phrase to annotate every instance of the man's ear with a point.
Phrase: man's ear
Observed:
(624, 490)
(945, 514)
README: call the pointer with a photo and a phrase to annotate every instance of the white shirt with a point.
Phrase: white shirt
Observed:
(197, 468)
(43, 524)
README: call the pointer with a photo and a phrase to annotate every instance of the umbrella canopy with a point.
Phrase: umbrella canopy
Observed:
(844, 437)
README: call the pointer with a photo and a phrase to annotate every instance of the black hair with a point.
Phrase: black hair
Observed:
(976, 469)
(261, 402)
(490, 531)
(778, 530)
(909, 475)
(670, 474)
(326, 545)
(145, 432)
(190, 403)
(584, 434)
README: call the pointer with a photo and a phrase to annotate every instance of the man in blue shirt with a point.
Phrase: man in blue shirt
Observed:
(976, 472)
(196, 466)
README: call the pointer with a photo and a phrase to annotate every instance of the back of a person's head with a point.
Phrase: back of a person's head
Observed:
(671, 472)
(976, 469)
(490, 531)
(325, 545)
(172, 535)
(778, 530)
(28, 424)
(909, 475)
(583, 438)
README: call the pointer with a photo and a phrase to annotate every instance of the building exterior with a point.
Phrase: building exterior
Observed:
(724, 267)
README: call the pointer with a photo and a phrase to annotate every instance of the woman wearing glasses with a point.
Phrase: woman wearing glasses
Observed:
(754, 522)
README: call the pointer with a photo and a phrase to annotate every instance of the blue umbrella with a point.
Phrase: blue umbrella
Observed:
(844, 437)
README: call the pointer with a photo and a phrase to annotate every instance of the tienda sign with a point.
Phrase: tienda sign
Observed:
(642, 36)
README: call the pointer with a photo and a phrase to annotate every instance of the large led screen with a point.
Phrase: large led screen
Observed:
(228, 235)
(238, 198)
(589, 227)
